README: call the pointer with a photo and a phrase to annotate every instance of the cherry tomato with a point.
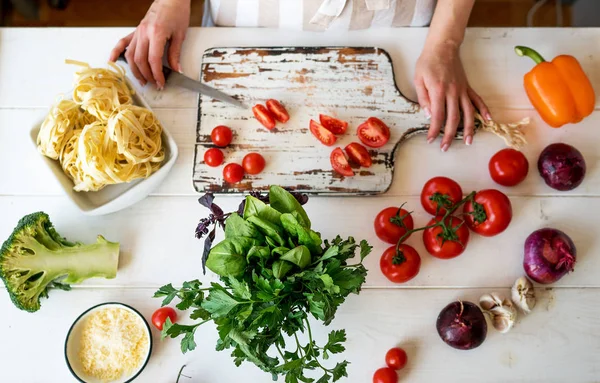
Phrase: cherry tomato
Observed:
(233, 173)
(385, 375)
(340, 163)
(449, 192)
(389, 231)
(213, 157)
(278, 110)
(373, 132)
(322, 134)
(334, 125)
(221, 136)
(253, 163)
(396, 358)
(400, 269)
(264, 116)
(160, 316)
(451, 247)
(497, 210)
(508, 167)
(359, 155)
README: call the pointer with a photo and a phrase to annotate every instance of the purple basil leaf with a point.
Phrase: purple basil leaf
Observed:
(216, 210)
(300, 197)
(257, 195)
(202, 228)
(207, 245)
(240, 210)
(207, 200)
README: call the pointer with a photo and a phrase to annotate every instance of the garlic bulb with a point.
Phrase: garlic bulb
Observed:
(501, 311)
(523, 295)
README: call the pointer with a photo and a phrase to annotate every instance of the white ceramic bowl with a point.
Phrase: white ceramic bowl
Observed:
(113, 197)
(72, 345)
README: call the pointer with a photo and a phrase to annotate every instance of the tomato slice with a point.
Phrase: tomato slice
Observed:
(359, 155)
(333, 124)
(264, 116)
(322, 134)
(277, 110)
(373, 132)
(340, 163)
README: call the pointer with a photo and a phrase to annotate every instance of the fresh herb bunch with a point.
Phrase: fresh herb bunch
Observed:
(275, 272)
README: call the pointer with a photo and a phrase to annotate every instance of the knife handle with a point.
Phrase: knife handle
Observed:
(166, 70)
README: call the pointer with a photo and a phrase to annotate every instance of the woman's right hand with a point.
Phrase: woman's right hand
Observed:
(166, 20)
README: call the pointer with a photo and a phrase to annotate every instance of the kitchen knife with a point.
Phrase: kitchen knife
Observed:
(177, 79)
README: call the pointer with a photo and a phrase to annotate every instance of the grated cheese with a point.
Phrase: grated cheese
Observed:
(114, 342)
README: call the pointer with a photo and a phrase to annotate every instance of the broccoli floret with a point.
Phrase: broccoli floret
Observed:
(36, 258)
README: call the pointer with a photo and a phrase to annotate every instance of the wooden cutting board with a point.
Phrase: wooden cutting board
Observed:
(352, 84)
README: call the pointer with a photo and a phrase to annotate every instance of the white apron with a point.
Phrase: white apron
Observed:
(319, 15)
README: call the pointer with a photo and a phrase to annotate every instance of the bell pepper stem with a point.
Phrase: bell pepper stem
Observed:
(525, 51)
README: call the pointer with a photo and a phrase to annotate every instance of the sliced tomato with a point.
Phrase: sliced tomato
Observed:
(334, 125)
(322, 134)
(359, 155)
(373, 132)
(340, 163)
(278, 110)
(264, 116)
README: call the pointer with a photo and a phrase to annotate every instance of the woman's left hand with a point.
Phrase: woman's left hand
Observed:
(443, 92)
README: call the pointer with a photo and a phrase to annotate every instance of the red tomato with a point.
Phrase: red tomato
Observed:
(359, 155)
(322, 134)
(396, 358)
(278, 110)
(264, 116)
(448, 192)
(451, 247)
(160, 316)
(253, 163)
(373, 132)
(400, 269)
(221, 136)
(340, 163)
(385, 375)
(494, 209)
(508, 167)
(213, 157)
(333, 124)
(233, 173)
(389, 231)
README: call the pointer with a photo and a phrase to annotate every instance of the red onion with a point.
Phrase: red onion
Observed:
(561, 166)
(549, 255)
(462, 325)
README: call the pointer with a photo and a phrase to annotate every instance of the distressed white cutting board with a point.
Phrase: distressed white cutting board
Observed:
(352, 84)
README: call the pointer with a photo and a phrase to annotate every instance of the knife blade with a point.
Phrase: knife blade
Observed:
(178, 79)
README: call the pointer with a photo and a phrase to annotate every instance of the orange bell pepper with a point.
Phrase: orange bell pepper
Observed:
(559, 90)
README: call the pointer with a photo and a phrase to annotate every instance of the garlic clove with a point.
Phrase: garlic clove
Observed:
(501, 311)
(523, 294)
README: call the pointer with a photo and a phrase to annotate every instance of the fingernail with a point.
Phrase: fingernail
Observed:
(469, 140)
(160, 86)
(445, 147)
(488, 117)
(427, 112)
(430, 140)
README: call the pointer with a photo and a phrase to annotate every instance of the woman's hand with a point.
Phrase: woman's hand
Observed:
(166, 20)
(444, 93)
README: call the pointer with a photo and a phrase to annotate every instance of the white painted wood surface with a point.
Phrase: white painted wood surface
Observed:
(557, 343)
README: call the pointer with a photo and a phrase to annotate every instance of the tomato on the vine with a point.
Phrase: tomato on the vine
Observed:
(221, 136)
(160, 316)
(508, 167)
(373, 132)
(439, 193)
(233, 173)
(385, 375)
(449, 242)
(253, 163)
(402, 267)
(388, 227)
(490, 215)
(339, 163)
(396, 358)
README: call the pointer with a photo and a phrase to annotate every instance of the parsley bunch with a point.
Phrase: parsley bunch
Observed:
(275, 272)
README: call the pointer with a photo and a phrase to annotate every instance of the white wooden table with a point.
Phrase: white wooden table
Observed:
(558, 342)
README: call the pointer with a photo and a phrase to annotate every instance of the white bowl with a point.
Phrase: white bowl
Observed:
(73, 344)
(113, 197)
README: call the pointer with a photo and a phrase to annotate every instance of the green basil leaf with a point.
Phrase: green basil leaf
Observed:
(271, 242)
(269, 229)
(281, 250)
(299, 256)
(300, 219)
(281, 268)
(260, 252)
(310, 239)
(229, 256)
(290, 224)
(257, 208)
(284, 202)
(236, 226)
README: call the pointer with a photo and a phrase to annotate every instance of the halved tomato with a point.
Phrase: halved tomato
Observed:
(359, 155)
(340, 163)
(278, 110)
(264, 116)
(322, 134)
(373, 132)
(333, 124)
